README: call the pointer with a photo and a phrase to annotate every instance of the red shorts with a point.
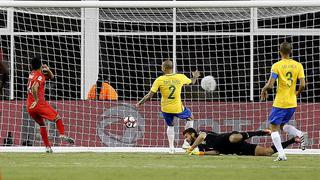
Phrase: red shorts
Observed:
(42, 111)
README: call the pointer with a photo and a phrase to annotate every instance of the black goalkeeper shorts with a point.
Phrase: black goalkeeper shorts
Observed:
(247, 149)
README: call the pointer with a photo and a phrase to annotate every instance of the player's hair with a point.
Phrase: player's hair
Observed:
(190, 131)
(285, 48)
(167, 64)
(36, 63)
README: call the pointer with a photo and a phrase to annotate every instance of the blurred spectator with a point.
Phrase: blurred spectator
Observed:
(4, 73)
(27, 142)
(102, 91)
(9, 140)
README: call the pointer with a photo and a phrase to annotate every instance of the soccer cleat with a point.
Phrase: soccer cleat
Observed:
(297, 140)
(280, 159)
(171, 151)
(67, 139)
(303, 142)
(49, 150)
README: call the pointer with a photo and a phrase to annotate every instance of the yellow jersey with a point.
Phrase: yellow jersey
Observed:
(288, 71)
(170, 86)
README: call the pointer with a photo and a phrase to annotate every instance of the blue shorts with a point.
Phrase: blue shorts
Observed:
(183, 115)
(280, 116)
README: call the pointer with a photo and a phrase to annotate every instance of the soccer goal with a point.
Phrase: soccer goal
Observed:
(116, 48)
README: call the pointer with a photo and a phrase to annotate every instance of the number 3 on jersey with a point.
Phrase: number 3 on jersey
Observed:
(172, 89)
(289, 79)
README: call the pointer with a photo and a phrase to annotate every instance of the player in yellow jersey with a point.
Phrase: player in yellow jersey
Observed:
(170, 86)
(286, 71)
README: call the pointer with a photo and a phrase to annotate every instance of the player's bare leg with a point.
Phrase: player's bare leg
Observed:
(60, 128)
(189, 124)
(44, 134)
(262, 151)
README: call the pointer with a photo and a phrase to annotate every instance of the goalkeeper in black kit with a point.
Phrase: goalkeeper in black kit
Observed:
(211, 143)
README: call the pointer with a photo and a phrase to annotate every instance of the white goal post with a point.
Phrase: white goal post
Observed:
(121, 44)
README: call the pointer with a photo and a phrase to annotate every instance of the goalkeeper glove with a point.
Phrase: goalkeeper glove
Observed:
(191, 151)
(198, 153)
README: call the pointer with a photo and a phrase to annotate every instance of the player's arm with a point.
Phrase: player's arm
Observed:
(213, 152)
(302, 80)
(202, 136)
(301, 86)
(48, 71)
(198, 141)
(154, 89)
(195, 75)
(202, 153)
(145, 98)
(34, 91)
(268, 86)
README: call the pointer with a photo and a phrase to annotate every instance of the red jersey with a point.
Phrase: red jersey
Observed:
(36, 76)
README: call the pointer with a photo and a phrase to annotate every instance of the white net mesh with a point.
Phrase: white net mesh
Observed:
(133, 44)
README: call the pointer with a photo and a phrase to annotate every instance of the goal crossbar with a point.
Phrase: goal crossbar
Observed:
(159, 4)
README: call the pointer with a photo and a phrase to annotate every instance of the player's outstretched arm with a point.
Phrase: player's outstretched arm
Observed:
(201, 153)
(301, 86)
(198, 141)
(195, 75)
(48, 71)
(211, 153)
(145, 98)
(267, 87)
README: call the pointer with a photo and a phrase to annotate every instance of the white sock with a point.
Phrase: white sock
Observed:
(277, 143)
(189, 124)
(170, 135)
(292, 130)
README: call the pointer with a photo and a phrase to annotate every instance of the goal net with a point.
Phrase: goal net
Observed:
(237, 46)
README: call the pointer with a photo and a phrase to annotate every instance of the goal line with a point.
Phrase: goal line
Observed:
(39, 149)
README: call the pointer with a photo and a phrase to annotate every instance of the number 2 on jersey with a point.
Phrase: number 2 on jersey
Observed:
(172, 89)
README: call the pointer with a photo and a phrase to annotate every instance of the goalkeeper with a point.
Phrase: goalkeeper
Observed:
(210, 143)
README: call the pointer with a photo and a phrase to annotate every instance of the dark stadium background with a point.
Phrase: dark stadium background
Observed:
(131, 63)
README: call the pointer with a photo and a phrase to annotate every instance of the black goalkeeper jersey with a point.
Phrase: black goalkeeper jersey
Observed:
(220, 143)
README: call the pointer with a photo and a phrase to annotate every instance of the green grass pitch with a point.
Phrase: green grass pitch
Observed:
(154, 166)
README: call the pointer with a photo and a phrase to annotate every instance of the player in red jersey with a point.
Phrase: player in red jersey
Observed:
(37, 106)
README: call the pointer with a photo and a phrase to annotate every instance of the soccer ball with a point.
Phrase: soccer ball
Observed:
(208, 83)
(130, 122)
